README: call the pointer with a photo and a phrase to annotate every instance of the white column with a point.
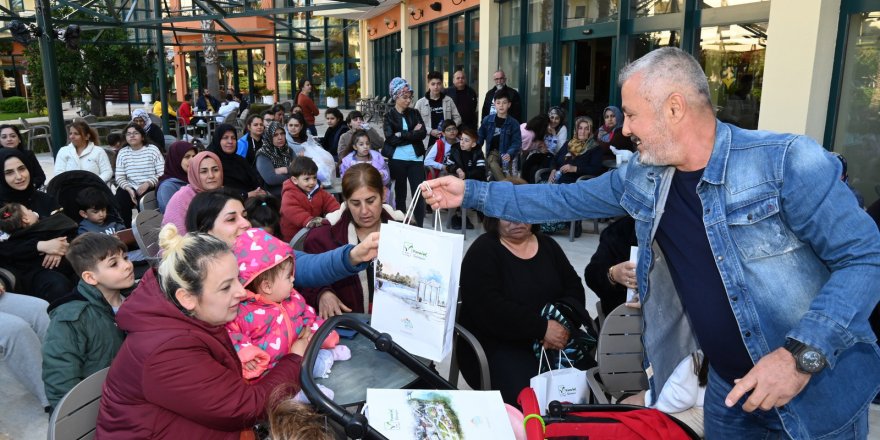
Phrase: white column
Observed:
(489, 31)
(797, 71)
(405, 46)
(366, 66)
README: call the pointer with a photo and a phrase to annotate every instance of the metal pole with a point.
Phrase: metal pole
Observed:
(160, 48)
(50, 75)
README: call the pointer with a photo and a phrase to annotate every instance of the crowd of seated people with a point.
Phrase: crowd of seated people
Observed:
(77, 308)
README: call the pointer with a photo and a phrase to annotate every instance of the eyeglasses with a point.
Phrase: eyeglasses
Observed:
(132, 133)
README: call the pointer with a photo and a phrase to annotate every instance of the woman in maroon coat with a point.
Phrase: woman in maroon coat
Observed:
(177, 375)
(362, 213)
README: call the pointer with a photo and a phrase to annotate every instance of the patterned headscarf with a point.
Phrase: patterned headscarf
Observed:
(280, 156)
(142, 115)
(397, 87)
(578, 146)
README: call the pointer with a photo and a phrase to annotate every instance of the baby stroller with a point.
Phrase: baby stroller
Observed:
(65, 187)
(356, 425)
(599, 422)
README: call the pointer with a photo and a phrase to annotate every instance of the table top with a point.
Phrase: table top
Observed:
(109, 124)
(367, 368)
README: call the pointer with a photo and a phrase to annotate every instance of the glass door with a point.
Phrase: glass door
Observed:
(586, 72)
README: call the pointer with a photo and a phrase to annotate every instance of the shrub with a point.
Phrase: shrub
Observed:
(15, 104)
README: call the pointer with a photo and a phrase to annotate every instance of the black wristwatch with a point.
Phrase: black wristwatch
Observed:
(808, 359)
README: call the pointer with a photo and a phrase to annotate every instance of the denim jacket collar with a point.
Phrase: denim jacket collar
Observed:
(716, 170)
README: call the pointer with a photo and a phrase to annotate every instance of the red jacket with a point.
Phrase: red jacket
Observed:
(350, 290)
(297, 209)
(177, 377)
(310, 110)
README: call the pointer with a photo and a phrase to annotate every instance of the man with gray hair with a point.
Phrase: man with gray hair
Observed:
(750, 248)
(500, 80)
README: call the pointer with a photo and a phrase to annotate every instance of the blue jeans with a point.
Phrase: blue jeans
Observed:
(721, 422)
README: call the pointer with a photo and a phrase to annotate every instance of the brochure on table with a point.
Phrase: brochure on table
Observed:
(438, 414)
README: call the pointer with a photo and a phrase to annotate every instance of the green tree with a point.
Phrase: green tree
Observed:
(97, 65)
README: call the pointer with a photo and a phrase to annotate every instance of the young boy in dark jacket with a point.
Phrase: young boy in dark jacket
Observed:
(82, 337)
(466, 161)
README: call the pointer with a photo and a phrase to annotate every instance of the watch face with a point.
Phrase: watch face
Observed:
(812, 361)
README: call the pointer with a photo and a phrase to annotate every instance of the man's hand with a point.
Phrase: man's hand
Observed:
(773, 381)
(330, 305)
(443, 192)
(366, 250)
(556, 336)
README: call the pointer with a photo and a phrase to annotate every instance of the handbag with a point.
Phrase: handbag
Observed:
(564, 384)
(416, 285)
(582, 343)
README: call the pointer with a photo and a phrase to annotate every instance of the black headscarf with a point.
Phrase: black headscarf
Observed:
(38, 201)
(280, 157)
(238, 174)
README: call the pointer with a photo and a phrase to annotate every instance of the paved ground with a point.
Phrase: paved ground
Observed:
(22, 418)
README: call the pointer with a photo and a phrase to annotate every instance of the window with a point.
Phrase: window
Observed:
(733, 59)
(509, 19)
(644, 43)
(583, 12)
(540, 15)
(647, 8)
(857, 129)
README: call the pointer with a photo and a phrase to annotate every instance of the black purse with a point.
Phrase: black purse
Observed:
(582, 344)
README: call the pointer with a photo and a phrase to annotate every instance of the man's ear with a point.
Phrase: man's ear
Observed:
(89, 277)
(676, 106)
(186, 299)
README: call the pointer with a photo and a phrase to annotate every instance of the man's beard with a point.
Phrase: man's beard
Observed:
(660, 151)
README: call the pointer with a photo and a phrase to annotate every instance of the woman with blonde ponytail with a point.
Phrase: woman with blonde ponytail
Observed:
(177, 374)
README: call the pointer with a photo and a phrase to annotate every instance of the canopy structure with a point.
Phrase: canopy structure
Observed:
(156, 17)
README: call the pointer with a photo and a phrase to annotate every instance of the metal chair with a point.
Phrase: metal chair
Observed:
(76, 415)
(299, 239)
(36, 132)
(619, 356)
(146, 228)
(474, 344)
(148, 201)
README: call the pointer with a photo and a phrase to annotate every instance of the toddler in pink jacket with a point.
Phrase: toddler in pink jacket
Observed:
(274, 314)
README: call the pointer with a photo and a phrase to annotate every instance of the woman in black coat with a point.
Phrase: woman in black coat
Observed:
(238, 174)
(10, 137)
(404, 133)
(36, 254)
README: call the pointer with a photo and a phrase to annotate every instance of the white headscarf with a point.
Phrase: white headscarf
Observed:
(142, 115)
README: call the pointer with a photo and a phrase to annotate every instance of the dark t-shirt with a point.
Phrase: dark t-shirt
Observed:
(496, 137)
(682, 237)
(436, 117)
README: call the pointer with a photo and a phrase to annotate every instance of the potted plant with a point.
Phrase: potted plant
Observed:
(333, 95)
(147, 95)
(268, 95)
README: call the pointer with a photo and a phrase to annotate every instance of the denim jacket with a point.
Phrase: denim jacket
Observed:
(797, 257)
(511, 139)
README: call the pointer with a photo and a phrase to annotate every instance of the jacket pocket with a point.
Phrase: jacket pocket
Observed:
(758, 230)
(637, 206)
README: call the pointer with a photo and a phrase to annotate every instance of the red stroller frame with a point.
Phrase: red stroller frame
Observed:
(585, 421)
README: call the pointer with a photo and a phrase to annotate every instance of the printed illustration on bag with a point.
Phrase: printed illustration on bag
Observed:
(414, 290)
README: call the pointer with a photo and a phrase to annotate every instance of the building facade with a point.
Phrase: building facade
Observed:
(803, 66)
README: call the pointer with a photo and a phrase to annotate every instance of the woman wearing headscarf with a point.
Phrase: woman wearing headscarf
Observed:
(579, 156)
(404, 132)
(154, 133)
(10, 137)
(176, 167)
(557, 132)
(35, 254)
(610, 133)
(273, 159)
(204, 173)
(238, 174)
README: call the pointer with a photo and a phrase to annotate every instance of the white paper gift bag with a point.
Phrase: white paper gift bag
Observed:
(564, 384)
(416, 291)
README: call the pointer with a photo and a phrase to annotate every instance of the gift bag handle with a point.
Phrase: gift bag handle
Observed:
(542, 359)
(411, 209)
(561, 355)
